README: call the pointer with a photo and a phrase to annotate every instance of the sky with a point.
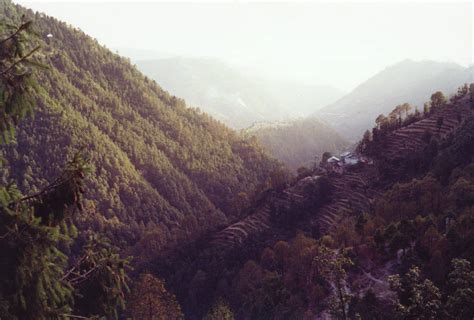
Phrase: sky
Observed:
(336, 43)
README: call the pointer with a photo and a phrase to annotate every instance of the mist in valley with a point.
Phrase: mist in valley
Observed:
(240, 160)
(254, 64)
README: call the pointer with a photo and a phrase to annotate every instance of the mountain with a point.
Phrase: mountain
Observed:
(233, 97)
(300, 100)
(407, 81)
(403, 211)
(211, 224)
(299, 142)
(158, 166)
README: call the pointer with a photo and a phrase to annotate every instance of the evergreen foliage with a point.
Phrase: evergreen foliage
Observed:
(300, 142)
(36, 230)
(160, 175)
(419, 227)
(160, 167)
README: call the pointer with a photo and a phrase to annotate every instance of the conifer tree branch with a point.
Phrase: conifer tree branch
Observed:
(22, 59)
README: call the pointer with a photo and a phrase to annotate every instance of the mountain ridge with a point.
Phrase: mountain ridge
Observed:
(234, 97)
(409, 81)
(151, 171)
(281, 236)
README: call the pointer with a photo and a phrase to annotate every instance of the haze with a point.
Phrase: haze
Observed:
(340, 44)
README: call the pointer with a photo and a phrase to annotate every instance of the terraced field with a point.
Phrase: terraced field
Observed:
(440, 123)
(351, 195)
(263, 218)
(352, 191)
(237, 233)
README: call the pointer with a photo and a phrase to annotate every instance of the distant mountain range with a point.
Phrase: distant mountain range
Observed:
(233, 97)
(158, 164)
(271, 109)
(407, 81)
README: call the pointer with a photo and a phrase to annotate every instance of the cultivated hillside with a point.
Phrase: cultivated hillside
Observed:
(300, 142)
(407, 209)
(158, 166)
(408, 81)
(236, 99)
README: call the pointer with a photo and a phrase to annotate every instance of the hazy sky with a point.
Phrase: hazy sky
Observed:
(333, 43)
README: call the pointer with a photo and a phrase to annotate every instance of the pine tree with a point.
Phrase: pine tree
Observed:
(16, 82)
(35, 282)
(31, 263)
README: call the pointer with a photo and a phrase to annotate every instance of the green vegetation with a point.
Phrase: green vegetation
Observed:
(351, 115)
(99, 164)
(421, 299)
(160, 168)
(294, 280)
(38, 279)
(418, 229)
(155, 170)
(300, 142)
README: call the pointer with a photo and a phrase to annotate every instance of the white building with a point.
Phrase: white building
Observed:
(350, 158)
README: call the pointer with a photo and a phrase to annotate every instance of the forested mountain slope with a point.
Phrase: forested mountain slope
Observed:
(158, 166)
(299, 142)
(408, 81)
(356, 241)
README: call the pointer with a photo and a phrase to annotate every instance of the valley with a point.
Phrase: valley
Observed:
(235, 97)
(188, 186)
(342, 198)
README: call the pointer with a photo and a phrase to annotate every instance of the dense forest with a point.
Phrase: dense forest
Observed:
(159, 167)
(407, 256)
(118, 201)
(300, 142)
(153, 173)
(394, 240)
